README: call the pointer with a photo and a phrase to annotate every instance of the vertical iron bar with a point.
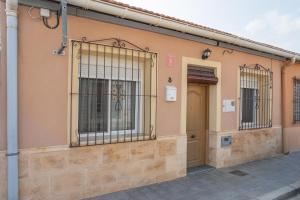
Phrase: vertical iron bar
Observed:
(257, 96)
(111, 76)
(88, 96)
(294, 100)
(144, 95)
(125, 96)
(132, 59)
(271, 98)
(252, 77)
(80, 94)
(261, 101)
(139, 85)
(150, 95)
(241, 99)
(268, 98)
(263, 96)
(71, 92)
(119, 100)
(97, 95)
(266, 79)
(156, 85)
(105, 95)
(247, 93)
(261, 111)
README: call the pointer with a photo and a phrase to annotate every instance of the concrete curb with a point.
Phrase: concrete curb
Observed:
(282, 193)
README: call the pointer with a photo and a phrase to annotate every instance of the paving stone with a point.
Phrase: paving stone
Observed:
(265, 177)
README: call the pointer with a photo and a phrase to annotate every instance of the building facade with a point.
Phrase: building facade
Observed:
(290, 78)
(130, 104)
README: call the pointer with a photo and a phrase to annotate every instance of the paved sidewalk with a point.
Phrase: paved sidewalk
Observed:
(263, 177)
(295, 198)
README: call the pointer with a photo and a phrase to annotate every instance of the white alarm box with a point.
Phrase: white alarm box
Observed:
(171, 93)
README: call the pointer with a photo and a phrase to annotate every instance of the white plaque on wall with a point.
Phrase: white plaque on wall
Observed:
(228, 105)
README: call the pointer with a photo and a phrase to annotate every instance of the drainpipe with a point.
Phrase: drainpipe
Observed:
(12, 100)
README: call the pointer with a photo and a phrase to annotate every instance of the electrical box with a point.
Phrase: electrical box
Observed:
(171, 93)
(226, 141)
(228, 105)
(45, 12)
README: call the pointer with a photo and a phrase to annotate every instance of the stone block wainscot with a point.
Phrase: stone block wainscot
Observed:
(74, 173)
(248, 145)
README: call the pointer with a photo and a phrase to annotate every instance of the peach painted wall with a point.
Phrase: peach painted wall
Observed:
(43, 76)
(291, 129)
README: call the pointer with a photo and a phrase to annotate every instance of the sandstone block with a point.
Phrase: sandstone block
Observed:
(35, 187)
(167, 147)
(142, 150)
(47, 162)
(67, 182)
(23, 166)
(85, 156)
(115, 153)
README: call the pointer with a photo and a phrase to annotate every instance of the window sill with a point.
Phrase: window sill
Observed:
(254, 128)
(90, 139)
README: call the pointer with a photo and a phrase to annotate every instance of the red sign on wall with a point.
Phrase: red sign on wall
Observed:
(170, 60)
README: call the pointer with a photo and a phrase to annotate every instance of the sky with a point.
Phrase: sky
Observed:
(275, 22)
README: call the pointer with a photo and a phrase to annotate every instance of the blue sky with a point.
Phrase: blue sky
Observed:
(275, 22)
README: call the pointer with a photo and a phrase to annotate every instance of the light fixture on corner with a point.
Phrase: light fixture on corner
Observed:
(206, 53)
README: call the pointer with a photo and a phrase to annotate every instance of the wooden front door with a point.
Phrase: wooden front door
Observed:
(196, 125)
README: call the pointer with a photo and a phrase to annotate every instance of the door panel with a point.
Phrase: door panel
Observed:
(196, 125)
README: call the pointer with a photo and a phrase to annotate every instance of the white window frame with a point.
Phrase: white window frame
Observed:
(249, 124)
(255, 88)
(120, 133)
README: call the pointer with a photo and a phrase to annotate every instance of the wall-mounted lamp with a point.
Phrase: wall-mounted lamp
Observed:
(206, 53)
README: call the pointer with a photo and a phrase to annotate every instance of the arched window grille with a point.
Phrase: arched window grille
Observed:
(113, 92)
(256, 92)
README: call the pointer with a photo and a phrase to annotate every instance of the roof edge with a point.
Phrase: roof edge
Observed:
(145, 16)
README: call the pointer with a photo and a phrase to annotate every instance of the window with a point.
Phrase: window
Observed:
(255, 97)
(248, 105)
(113, 96)
(296, 110)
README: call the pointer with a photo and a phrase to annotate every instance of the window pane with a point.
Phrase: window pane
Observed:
(93, 105)
(123, 105)
(248, 101)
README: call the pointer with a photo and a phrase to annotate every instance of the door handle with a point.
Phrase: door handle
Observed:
(193, 136)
